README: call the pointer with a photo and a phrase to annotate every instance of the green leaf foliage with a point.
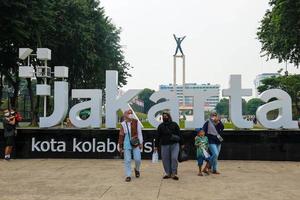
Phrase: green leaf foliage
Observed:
(279, 31)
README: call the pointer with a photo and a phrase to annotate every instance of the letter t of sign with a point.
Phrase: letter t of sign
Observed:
(235, 93)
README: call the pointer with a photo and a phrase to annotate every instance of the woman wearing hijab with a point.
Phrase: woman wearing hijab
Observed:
(213, 127)
(169, 139)
(130, 142)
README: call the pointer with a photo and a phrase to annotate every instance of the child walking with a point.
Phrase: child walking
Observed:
(201, 143)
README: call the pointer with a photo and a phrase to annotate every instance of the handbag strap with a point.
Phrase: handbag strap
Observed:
(129, 133)
(215, 132)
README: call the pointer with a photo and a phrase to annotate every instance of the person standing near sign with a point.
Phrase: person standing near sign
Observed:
(169, 138)
(9, 125)
(213, 127)
(130, 141)
(201, 143)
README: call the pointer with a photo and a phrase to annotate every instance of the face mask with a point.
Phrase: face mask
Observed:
(130, 116)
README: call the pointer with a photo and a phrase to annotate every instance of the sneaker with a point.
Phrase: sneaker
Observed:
(176, 178)
(166, 176)
(128, 179)
(137, 173)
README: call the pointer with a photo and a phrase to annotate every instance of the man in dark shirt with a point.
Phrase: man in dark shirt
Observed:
(213, 129)
(9, 125)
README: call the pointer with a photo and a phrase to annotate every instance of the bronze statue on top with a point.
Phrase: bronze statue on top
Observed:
(178, 41)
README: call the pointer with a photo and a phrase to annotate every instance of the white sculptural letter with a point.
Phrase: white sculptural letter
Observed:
(60, 105)
(94, 120)
(171, 104)
(284, 106)
(113, 102)
(235, 93)
(198, 109)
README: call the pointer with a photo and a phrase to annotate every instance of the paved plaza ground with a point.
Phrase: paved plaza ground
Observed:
(66, 179)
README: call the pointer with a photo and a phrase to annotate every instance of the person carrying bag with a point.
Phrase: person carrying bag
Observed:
(213, 129)
(130, 142)
(169, 139)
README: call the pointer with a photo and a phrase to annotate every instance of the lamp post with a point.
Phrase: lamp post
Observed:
(42, 71)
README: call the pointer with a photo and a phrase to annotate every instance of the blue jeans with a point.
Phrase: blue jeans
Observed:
(127, 160)
(215, 151)
(201, 159)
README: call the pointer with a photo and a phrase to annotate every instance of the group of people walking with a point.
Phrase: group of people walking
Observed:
(169, 141)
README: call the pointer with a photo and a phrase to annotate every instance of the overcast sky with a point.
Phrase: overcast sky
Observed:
(221, 40)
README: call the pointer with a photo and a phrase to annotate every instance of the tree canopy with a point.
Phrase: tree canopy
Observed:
(145, 95)
(279, 31)
(252, 106)
(248, 108)
(223, 107)
(79, 33)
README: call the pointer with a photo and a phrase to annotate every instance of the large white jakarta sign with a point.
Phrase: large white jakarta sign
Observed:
(115, 102)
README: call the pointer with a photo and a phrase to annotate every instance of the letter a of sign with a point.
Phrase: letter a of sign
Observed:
(94, 119)
(171, 104)
(283, 104)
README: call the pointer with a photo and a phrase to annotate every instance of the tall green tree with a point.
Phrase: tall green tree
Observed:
(223, 107)
(85, 40)
(279, 31)
(252, 106)
(78, 32)
(12, 35)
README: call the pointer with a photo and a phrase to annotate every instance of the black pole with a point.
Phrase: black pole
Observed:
(8, 101)
(24, 106)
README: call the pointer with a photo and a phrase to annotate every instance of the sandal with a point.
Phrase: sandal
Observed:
(206, 171)
(137, 173)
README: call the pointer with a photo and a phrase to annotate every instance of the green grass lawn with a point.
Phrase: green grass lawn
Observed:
(182, 126)
(146, 124)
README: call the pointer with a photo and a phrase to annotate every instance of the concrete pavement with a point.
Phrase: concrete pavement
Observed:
(65, 179)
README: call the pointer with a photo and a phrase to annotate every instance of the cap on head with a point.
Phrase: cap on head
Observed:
(198, 129)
